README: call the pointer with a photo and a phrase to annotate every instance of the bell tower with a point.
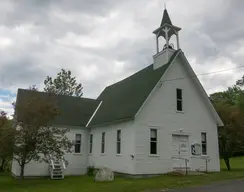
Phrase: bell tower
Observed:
(166, 30)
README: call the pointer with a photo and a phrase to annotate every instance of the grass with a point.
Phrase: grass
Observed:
(86, 184)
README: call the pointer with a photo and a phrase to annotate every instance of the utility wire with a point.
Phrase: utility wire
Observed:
(204, 74)
(180, 78)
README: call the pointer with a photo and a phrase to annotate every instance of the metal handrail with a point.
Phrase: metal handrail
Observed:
(206, 159)
(51, 160)
(186, 160)
(179, 158)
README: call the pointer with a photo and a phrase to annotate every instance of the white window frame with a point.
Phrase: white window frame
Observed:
(75, 143)
(118, 141)
(157, 140)
(103, 143)
(91, 143)
(180, 100)
(204, 143)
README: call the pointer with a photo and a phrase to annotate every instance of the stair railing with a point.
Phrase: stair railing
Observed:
(63, 162)
(186, 161)
(51, 161)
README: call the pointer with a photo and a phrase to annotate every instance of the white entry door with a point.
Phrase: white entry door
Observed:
(180, 150)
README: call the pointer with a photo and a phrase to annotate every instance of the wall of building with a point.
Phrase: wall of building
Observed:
(77, 163)
(162, 58)
(159, 112)
(122, 163)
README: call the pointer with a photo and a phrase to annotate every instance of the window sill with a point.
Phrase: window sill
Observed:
(77, 153)
(204, 155)
(90, 154)
(102, 154)
(118, 155)
(179, 111)
(199, 156)
(152, 155)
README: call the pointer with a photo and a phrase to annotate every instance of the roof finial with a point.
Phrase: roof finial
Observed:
(164, 5)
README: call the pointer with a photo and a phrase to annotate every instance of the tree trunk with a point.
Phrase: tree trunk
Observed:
(2, 165)
(22, 170)
(227, 162)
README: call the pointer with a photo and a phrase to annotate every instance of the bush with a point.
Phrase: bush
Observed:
(91, 170)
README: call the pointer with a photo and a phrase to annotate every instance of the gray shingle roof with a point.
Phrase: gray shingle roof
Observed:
(122, 100)
(74, 111)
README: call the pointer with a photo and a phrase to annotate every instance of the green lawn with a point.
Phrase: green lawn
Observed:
(85, 183)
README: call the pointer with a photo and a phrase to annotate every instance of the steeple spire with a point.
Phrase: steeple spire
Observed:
(166, 30)
(166, 18)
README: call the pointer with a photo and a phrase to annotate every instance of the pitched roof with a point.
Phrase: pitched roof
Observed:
(122, 100)
(166, 18)
(74, 111)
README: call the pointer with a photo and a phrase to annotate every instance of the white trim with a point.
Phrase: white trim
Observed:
(206, 135)
(118, 154)
(81, 143)
(112, 122)
(89, 143)
(176, 99)
(152, 155)
(103, 143)
(157, 142)
(179, 111)
(156, 126)
(178, 132)
(155, 87)
(94, 113)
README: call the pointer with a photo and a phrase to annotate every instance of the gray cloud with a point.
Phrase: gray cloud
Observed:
(103, 41)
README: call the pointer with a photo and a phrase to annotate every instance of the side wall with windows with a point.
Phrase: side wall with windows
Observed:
(160, 112)
(77, 162)
(123, 162)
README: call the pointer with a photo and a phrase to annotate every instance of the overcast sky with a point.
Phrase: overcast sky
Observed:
(103, 41)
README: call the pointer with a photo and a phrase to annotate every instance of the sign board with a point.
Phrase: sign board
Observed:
(196, 149)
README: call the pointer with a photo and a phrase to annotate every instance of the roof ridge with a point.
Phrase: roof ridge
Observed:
(43, 92)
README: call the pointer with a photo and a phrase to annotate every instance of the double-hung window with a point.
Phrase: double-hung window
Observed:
(103, 143)
(179, 100)
(90, 143)
(204, 143)
(153, 141)
(77, 143)
(118, 143)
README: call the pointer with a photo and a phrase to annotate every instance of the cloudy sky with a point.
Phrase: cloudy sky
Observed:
(103, 41)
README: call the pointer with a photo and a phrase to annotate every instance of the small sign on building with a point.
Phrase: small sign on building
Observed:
(196, 149)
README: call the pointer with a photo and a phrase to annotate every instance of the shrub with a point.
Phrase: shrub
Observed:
(91, 170)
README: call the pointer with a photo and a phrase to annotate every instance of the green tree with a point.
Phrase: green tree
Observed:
(231, 136)
(35, 138)
(6, 140)
(240, 82)
(63, 84)
(229, 97)
(228, 104)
